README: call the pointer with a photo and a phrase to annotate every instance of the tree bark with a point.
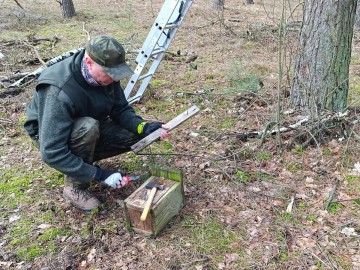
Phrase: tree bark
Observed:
(218, 4)
(357, 18)
(67, 8)
(248, 2)
(322, 66)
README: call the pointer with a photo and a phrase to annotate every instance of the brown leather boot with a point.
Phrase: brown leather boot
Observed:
(82, 199)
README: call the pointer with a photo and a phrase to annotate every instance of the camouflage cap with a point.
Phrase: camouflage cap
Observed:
(108, 53)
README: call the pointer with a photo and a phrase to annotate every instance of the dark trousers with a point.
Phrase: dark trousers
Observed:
(93, 140)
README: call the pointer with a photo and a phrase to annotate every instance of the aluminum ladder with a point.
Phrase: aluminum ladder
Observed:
(161, 34)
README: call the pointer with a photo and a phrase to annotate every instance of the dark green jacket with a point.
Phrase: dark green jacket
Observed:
(62, 95)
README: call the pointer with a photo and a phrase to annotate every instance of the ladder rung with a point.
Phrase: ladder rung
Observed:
(157, 51)
(171, 26)
(145, 76)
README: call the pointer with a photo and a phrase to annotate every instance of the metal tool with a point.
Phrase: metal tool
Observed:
(130, 178)
(154, 187)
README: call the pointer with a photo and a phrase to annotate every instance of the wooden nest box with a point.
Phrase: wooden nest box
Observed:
(165, 205)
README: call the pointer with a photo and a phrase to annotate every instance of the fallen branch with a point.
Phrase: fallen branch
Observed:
(332, 194)
(35, 74)
(12, 92)
(36, 52)
(5, 121)
(5, 82)
(265, 132)
(18, 4)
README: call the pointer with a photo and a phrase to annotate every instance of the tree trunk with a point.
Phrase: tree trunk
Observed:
(218, 4)
(322, 65)
(357, 18)
(248, 2)
(68, 9)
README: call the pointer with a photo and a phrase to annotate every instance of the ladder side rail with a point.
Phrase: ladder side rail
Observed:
(155, 33)
(170, 36)
(162, 19)
(183, 7)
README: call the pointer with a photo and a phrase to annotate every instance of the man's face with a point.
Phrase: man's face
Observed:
(98, 73)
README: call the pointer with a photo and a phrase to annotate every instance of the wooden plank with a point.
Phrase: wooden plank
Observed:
(171, 124)
(166, 172)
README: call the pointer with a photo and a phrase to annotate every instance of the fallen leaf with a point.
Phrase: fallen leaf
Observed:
(277, 203)
(349, 231)
(232, 257)
(204, 165)
(91, 255)
(14, 218)
(44, 226)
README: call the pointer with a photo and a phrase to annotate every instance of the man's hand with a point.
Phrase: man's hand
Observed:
(111, 178)
(151, 127)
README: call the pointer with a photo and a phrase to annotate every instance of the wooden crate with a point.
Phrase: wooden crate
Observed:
(166, 204)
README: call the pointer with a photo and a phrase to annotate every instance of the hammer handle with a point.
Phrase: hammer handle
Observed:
(148, 204)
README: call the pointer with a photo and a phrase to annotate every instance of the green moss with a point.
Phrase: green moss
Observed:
(335, 207)
(130, 163)
(288, 216)
(298, 150)
(357, 202)
(156, 83)
(283, 255)
(21, 232)
(49, 234)
(47, 217)
(209, 76)
(245, 154)
(226, 123)
(353, 186)
(263, 156)
(295, 167)
(211, 237)
(311, 217)
(352, 178)
(242, 176)
(30, 252)
(261, 176)
(326, 152)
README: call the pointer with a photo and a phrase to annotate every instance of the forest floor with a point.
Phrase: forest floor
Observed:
(250, 203)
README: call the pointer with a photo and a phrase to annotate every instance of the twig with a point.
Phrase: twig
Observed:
(313, 137)
(5, 121)
(217, 137)
(347, 200)
(331, 197)
(36, 52)
(327, 257)
(338, 227)
(265, 132)
(18, 4)
(167, 154)
(87, 33)
(195, 261)
(290, 206)
(235, 20)
(317, 257)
